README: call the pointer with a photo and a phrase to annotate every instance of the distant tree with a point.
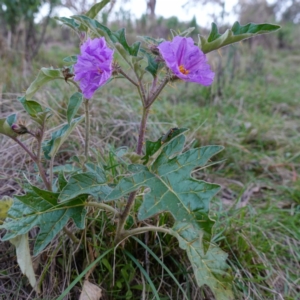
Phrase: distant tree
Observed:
(17, 18)
(255, 11)
(151, 4)
(288, 11)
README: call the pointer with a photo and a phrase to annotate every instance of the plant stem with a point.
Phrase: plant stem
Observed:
(140, 230)
(142, 131)
(87, 129)
(51, 170)
(123, 217)
(37, 161)
(130, 201)
(129, 79)
(155, 94)
(103, 206)
(70, 234)
(32, 156)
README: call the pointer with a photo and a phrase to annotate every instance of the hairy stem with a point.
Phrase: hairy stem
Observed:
(129, 79)
(32, 156)
(37, 161)
(130, 201)
(140, 230)
(156, 93)
(51, 170)
(103, 206)
(142, 131)
(123, 217)
(87, 129)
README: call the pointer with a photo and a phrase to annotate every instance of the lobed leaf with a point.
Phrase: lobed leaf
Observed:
(209, 266)
(89, 183)
(171, 186)
(41, 208)
(237, 33)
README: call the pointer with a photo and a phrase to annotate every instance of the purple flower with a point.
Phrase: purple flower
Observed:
(186, 60)
(94, 66)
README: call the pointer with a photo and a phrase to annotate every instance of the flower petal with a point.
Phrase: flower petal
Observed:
(186, 60)
(94, 66)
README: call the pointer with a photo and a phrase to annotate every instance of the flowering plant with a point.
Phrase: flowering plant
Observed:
(186, 60)
(94, 66)
(66, 198)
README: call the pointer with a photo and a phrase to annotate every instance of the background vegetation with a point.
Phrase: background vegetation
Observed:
(252, 109)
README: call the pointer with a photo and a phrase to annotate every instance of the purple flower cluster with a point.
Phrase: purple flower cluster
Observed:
(94, 66)
(186, 60)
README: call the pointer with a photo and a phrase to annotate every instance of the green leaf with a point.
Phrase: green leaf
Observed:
(5, 203)
(171, 186)
(42, 117)
(111, 37)
(35, 110)
(146, 275)
(183, 33)
(153, 66)
(209, 266)
(237, 33)
(89, 183)
(73, 105)
(121, 38)
(41, 208)
(44, 76)
(58, 137)
(69, 22)
(62, 181)
(24, 258)
(5, 125)
(153, 147)
(71, 59)
(32, 107)
(95, 9)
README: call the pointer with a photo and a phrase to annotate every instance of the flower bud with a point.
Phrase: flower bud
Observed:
(19, 128)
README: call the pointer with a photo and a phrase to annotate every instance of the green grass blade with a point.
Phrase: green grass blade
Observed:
(162, 264)
(80, 276)
(144, 273)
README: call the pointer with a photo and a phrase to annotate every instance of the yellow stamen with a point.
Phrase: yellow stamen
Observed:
(183, 70)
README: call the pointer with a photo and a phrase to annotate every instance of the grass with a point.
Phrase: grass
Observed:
(253, 110)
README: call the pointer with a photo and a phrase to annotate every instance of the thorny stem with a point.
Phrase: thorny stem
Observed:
(87, 129)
